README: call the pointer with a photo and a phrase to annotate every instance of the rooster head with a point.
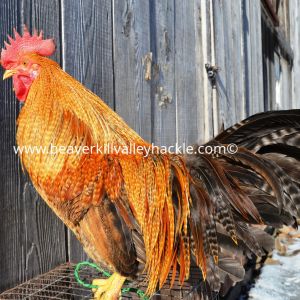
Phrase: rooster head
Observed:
(18, 59)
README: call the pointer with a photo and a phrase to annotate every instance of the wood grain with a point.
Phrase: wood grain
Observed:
(294, 13)
(238, 73)
(256, 99)
(32, 238)
(240, 81)
(207, 116)
(87, 55)
(146, 59)
(186, 81)
(229, 63)
(131, 42)
(163, 89)
(268, 45)
(225, 105)
(11, 229)
(87, 45)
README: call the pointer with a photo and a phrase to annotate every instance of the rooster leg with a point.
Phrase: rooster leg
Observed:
(109, 289)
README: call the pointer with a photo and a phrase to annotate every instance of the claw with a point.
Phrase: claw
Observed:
(109, 289)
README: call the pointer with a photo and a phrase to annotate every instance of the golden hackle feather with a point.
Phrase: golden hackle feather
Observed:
(61, 112)
(178, 207)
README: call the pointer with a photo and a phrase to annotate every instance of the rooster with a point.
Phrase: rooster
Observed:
(154, 214)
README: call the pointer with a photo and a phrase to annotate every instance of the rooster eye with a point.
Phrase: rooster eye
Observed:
(24, 63)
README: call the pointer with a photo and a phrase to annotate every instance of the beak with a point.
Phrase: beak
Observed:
(9, 73)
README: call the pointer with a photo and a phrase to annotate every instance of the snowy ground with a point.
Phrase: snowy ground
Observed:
(281, 280)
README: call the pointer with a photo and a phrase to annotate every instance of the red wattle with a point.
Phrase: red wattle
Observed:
(21, 85)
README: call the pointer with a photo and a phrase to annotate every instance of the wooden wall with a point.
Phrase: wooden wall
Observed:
(146, 60)
(32, 239)
(294, 17)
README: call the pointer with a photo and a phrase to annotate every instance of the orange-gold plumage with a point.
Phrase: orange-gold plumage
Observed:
(154, 213)
(60, 112)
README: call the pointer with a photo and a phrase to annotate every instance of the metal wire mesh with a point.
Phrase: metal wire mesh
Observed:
(60, 283)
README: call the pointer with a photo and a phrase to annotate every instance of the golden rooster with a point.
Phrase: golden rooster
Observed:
(154, 214)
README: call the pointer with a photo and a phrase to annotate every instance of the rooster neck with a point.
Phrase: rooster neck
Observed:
(61, 112)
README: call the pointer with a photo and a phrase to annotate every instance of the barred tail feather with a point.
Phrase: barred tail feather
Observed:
(260, 184)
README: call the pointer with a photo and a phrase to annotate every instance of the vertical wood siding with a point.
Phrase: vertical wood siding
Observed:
(294, 13)
(32, 239)
(163, 89)
(131, 47)
(146, 59)
(87, 40)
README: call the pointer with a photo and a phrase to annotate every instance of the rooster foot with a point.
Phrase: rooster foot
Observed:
(109, 289)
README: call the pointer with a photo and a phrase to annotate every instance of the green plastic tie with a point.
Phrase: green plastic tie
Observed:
(78, 267)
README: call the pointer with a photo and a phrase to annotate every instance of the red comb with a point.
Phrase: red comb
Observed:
(25, 44)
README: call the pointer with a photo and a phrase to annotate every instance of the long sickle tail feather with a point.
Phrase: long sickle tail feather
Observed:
(229, 192)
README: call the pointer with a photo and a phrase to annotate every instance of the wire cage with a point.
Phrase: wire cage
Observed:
(60, 283)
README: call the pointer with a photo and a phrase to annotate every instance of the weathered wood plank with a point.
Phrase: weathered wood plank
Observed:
(254, 18)
(164, 54)
(294, 12)
(43, 15)
(214, 110)
(11, 231)
(223, 86)
(229, 61)
(254, 99)
(87, 55)
(240, 83)
(207, 118)
(246, 55)
(219, 60)
(47, 231)
(283, 83)
(286, 91)
(269, 71)
(163, 89)
(132, 64)
(34, 238)
(237, 62)
(186, 81)
(87, 45)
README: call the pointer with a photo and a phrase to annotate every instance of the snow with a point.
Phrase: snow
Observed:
(279, 281)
